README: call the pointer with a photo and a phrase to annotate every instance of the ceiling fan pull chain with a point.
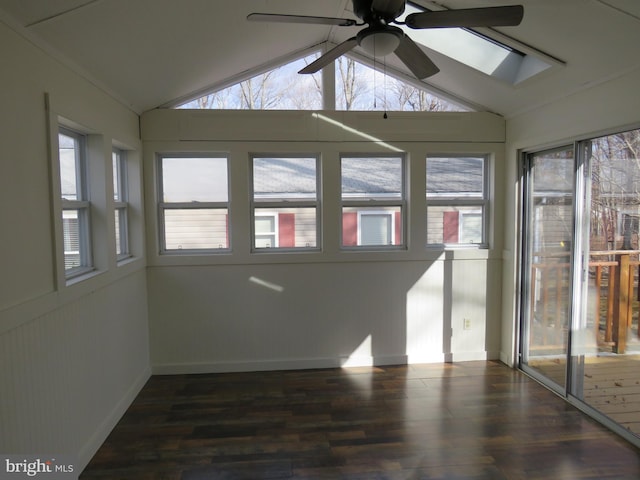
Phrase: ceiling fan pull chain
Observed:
(384, 80)
(375, 100)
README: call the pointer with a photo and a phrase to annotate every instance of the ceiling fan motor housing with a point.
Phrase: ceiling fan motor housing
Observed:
(364, 10)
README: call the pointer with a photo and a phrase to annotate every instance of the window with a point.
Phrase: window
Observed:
(279, 89)
(76, 208)
(194, 203)
(120, 198)
(373, 201)
(356, 90)
(285, 202)
(456, 200)
(354, 87)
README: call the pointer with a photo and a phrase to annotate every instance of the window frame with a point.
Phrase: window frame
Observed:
(376, 205)
(81, 205)
(192, 205)
(272, 206)
(451, 199)
(121, 203)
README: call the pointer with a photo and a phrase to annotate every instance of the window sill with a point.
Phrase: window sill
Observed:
(276, 250)
(81, 277)
(125, 260)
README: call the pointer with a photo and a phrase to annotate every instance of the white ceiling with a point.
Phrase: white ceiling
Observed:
(148, 53)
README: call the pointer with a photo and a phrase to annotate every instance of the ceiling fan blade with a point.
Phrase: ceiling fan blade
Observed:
(274, 17)
(330, 56)
(468, 17)
(415, 59)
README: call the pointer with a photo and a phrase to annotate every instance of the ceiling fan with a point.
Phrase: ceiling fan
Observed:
(380, 38)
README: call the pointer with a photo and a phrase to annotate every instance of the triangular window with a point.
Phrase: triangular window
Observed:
(357, 87)
(360, 87)
(279, 89)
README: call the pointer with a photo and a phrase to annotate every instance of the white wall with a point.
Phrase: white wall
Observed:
(72, 357)
(605, 108)
(334, 307)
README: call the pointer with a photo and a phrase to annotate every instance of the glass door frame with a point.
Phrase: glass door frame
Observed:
(526, 260)
(578, 288)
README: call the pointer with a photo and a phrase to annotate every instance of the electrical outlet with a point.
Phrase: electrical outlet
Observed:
(466, 324)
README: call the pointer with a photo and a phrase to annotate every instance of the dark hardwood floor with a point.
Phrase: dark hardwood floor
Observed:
(475, 420)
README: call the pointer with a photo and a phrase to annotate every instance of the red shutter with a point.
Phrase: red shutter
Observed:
(398, 228)
(287, 229)
(349, 229)
(450, 227)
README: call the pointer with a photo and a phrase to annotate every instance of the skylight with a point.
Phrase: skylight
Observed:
(476, 51)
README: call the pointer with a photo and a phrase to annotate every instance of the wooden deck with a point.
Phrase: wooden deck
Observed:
(611, 385)
(473, 420)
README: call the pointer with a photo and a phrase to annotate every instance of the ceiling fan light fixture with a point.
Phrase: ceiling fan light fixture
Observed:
(380, 42)
(380, 38)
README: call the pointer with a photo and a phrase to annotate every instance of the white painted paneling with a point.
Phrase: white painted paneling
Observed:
(283, 126)
(261, 311)
(27, 74)
(72, 358)
(261, 317)
(605, 106)
(68, 375)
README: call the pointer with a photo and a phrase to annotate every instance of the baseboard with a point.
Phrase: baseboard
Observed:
(474, 356)
(429, 358)
(507, 359)
(272, 365)
(311, 363)
(494, 355)
(97, 439)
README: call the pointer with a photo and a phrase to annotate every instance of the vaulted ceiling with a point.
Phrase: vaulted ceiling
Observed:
(148, 53)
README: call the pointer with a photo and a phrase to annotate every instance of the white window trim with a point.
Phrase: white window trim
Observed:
(350, 200)
(464, 200)
(82, 205)
(283, 202)
(196, 205)
(121, 204)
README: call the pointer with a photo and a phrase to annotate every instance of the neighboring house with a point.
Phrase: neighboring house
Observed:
(615, 205)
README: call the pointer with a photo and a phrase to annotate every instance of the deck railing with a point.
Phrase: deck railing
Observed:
(613, 279)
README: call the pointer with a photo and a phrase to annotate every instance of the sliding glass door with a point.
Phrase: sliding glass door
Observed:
(606, 349)
(548, 234)
(580, 292)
